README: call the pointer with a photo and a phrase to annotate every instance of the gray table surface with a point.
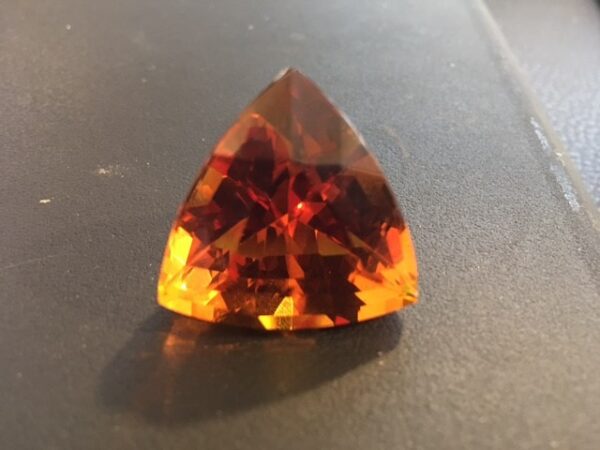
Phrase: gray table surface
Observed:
(108, 109)
(557, 43)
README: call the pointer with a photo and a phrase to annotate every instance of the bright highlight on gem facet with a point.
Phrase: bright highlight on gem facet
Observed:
(290, 224)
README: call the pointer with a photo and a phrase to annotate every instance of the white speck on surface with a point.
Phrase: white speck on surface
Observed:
(453, 65)
(144, 80)
(45, 201)
(112, 170)
(554, 444)
(556, 168)
(152, 67)
(19, 375)
(68, 26)
(250, 27)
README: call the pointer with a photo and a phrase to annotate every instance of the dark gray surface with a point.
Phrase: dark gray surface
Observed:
(109, 120)
(557, 43)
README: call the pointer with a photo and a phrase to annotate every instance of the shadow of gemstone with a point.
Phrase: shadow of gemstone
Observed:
(177, 370)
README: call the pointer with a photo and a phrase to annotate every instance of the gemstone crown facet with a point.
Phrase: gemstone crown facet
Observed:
(290, 224)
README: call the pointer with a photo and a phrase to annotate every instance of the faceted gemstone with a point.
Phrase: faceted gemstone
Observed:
(290, 224)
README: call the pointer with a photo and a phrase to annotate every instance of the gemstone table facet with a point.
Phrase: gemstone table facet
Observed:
(290, 224)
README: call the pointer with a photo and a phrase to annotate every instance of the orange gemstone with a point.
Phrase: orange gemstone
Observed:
(290, 224)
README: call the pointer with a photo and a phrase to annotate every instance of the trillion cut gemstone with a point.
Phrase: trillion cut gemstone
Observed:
(290, 224)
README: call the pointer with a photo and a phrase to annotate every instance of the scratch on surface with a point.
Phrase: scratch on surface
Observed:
(112, 170)
(394, 135)
(557, 170)
(27, 262)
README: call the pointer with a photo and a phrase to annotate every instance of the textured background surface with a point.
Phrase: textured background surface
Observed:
(557, 43)
(108, 108)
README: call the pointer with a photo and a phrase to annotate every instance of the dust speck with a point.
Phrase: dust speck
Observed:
(68, 26)
(112, 170)
(45, 201)
(250, 27)
(144, 80)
